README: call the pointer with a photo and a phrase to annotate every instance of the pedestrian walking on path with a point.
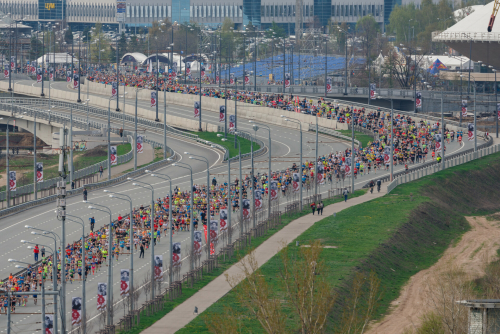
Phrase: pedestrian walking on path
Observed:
(345, 193)
(313, 207)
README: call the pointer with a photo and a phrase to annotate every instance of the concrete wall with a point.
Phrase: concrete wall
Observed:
(102, 102)
(245, 110)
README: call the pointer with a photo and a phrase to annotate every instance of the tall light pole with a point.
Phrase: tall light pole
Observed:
(123, 197)
(84, 279)
(300, 144)
(7, 159)
(191, 229)
(391, 133)
(169, 225)
(240, 181)
(205, 160)
(256, 128)
(109, 290)
(148, 186)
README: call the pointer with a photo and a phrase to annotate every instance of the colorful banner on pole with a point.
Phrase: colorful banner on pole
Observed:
(76, 311)
(418, 100)
(232, 122)
(246, 208)
(188, 68)
(12, 62)
(176, 254)
(101, 296)
(231, 79)
(113, 89)
(197, 242)
(329, 86)
(498, 111)
(223, 220)
(372, 91)
(258, 199)
(470, 127)
(49, 324)
(320, 174)
(140, 147)
(51, 74)
(124, 282)
(174, 70)
(12, 181)
(438, 140)
(39, 171)
(76, 81)
(6, 72)
(38, 75)
(295, 184)
(217, 77)
(68, 76)
(158, 267)
(202, 71)
(464, 108)
(153, 99)
(247, 80)
(113, 155)
(214, 231)
(287, 80)
(196, 109)
(222, 113)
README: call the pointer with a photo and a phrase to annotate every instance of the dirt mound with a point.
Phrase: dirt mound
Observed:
(99, 151)
(473, 253)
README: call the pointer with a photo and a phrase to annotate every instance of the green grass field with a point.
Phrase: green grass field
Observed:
(396, 236)
(187, 292)
(364, 139)
(81, 160)
(229, 144)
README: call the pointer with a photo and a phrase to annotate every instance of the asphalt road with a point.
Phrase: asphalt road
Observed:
(285, 151)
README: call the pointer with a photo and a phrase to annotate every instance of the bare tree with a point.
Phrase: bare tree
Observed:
(255, 293)
(360, 304)
(310, 295)
(446, 288)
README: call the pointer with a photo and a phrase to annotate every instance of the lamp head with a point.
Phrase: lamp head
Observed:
(106, 191)
(11, 260)
(187, 153)
(18, 266)
(111, 196)
(28, 226)
(91, 207)
(148, 171)
(219, 135)
(129, 178)
(34, 233)
(23, 241)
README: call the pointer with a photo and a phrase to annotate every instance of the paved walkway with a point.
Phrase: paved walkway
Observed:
(183, 314)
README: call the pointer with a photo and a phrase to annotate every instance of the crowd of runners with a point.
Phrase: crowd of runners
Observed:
(414, 142)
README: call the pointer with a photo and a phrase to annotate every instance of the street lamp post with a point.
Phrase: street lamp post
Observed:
(169, 225)
(109, 304)
(131, 236)
(7, 159)
(301, 172)
(109, 135)
(241, 181)
(191, 229)
(205, 160)
(84, 279)
(152, 223)
(256, 127)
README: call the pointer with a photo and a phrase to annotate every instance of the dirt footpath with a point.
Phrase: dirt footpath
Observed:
(473, 252)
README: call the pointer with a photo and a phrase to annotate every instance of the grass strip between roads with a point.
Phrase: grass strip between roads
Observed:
(187, 292)
(395, 236)
(229, 144)
(364, 139)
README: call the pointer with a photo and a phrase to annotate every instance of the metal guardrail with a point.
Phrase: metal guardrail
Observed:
(435, 167)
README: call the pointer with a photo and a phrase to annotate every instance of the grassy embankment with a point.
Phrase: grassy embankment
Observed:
(187, 292)
(396, 236)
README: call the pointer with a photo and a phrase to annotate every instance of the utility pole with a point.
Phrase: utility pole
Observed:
(61, 215)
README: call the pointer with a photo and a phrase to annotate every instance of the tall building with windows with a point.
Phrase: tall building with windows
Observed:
(212, 13)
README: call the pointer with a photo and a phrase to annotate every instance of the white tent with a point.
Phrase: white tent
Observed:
(60, 58)
(455, 63)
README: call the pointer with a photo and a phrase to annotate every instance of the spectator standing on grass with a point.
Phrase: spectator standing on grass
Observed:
(345, 193)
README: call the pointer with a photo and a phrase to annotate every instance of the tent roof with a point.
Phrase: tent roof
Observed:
(60, 58)
(135, 57)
